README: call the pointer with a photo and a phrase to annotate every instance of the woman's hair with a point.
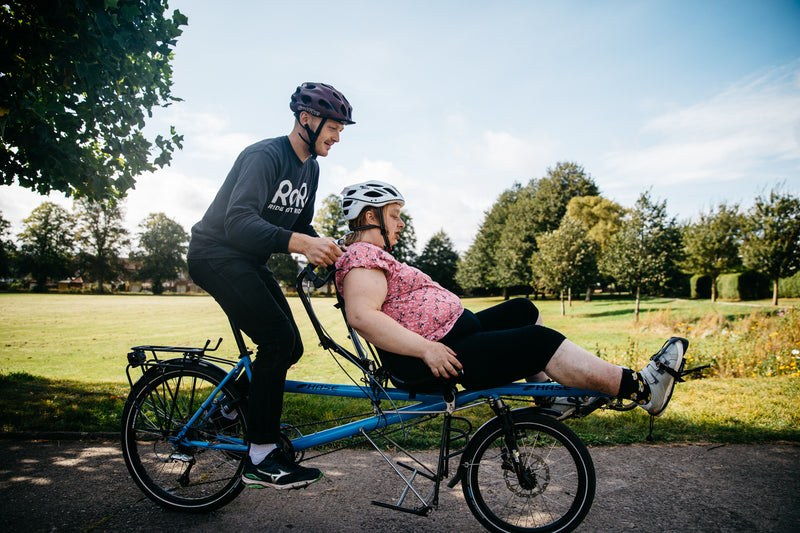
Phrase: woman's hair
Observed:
(359, 221)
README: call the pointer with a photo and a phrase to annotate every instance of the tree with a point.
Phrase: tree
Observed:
(285, 268)
(536, 208)
(640, 253)
(7, 247)
(711, 244)
(439, 260)
(162, 248)
(516, 244)
(405, 249)
(771, 243)
(101, 237)
(46, 244)
(329, 220)
(78, 78)
(601, 218)
(552, 194)
(477, 269)
(566, 258)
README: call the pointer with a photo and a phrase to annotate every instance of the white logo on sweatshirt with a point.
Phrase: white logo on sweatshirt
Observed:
(290, 199)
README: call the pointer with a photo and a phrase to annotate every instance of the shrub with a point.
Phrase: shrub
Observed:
(747, 285)
(789, 287)
(700, 286)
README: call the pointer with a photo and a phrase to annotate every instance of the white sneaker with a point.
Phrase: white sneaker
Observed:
(661, 372)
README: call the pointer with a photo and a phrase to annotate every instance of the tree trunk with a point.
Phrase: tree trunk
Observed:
(569, 297)
(588, 294)
(638, 298)
(561, 297)
(505, 293)
(775, 291)
(713, 290)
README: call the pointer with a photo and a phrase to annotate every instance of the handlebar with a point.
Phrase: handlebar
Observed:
(309, 273)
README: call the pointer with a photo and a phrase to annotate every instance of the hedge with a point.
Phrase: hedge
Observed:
(700, 286)
(789, 287)
(747, 285)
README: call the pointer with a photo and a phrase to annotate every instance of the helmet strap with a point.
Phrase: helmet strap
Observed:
(382, 227)
(387, 247)
(312, 135)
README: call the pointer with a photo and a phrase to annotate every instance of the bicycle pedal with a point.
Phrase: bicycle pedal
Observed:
(693, 370)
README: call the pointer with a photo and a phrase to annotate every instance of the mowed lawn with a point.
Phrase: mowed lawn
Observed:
(64, 358)
(87, 337)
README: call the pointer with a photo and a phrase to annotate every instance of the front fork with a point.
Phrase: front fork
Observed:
(511, 459)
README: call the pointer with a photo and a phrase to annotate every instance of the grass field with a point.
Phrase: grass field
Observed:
(63, 357)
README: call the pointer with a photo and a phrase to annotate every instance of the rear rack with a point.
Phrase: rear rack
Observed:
(138, 356)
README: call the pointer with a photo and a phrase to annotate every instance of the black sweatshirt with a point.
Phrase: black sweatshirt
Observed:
(268, 194)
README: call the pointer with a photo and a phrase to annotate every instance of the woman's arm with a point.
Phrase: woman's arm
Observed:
(364, 291)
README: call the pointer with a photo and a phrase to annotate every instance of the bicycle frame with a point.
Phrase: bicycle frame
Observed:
(426, 404)
(199, 438)
(186, 457)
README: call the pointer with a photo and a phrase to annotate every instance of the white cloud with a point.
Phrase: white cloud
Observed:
(503, 153)
(17, 203)
(732, 135)
(180, 197)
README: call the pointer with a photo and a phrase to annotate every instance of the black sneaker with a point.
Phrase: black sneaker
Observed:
(278, 471)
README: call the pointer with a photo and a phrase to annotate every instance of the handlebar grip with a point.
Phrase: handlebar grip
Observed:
(308, 273)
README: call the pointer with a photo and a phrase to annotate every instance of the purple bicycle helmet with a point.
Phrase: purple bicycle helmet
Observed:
(322, 100)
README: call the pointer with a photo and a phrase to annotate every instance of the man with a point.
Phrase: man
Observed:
(266, 206)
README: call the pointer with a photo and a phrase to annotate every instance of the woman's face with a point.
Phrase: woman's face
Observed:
(391, 221)
(394, 224)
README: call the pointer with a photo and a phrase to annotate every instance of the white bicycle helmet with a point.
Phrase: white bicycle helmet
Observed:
(371, 193)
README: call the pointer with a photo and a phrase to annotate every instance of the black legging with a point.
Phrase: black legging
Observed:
(495, 346)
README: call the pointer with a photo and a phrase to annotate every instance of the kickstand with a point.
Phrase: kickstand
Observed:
(679, 379)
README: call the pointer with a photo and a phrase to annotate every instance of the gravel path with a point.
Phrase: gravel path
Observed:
(84, 486)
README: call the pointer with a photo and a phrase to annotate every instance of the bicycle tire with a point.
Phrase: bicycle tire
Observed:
(556, 458)
(179, 477)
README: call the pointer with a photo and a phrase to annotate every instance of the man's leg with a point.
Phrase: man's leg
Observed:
(252, 298)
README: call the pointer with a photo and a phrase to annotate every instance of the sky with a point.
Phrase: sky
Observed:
(697, 102)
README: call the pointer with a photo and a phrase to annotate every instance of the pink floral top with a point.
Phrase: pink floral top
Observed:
(413, 299)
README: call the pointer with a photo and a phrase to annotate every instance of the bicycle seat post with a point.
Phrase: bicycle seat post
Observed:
(237, 335)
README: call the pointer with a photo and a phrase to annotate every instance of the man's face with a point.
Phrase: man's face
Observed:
(328, 136)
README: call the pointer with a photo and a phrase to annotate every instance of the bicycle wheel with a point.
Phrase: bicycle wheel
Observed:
(560, 484)
(174, 474)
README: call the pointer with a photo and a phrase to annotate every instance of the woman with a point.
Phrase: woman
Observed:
(401, 310)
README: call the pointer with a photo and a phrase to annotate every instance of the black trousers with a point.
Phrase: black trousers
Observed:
(251, 296)
(495, 346)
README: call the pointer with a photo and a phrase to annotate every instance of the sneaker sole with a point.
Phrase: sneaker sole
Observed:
(258, 484)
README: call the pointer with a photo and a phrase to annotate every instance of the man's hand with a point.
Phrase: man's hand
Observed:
(320, 251)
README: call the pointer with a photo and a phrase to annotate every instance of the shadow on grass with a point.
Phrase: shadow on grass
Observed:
(633, 428)
(31, 403)
(35, 404)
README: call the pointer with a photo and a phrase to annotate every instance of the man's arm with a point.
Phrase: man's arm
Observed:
(364, 291)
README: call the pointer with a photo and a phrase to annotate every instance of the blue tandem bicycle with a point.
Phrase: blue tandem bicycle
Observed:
(184, 429)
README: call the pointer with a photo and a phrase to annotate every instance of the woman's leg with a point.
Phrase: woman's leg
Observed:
(493, 358)
(511, 314)
(573, 366)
